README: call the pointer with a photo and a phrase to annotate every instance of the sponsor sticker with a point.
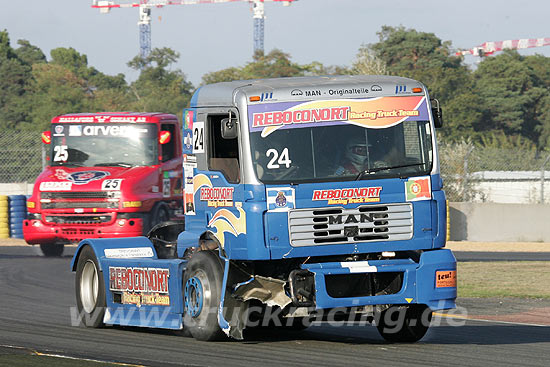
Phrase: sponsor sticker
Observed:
(280, 199)
(125, 253)
(418, 188)
(138, 280)
(165, 187)
(108, 130)
(75, 130)
(83, 177)
(189, 165)
(140, 286)
(445, 279)
(346, 196)
(375, 113)
(145, 299)
(58, 130)
(217, 196)
(113, 119)
(55, 186)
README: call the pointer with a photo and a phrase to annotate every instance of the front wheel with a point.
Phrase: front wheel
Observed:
(52, 249)
(90, 290)
(404, 324)
(202, 283)
(158, 215)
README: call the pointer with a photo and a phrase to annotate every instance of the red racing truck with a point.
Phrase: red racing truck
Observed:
(109, 174)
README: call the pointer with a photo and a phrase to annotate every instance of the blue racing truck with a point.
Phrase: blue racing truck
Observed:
(306, 199)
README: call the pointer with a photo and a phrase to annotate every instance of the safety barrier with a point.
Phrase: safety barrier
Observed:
(17, 213)
(4, 218)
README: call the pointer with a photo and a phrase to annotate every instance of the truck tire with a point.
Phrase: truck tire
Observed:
(158, 215)
(202, 283)
(90, 290)
(404, 324)
(52, 249)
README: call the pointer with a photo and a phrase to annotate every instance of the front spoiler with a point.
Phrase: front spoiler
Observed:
(419, 281)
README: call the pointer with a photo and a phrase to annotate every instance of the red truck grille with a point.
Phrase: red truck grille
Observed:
(77, 195)
(78, 219)
(74, 200)
(80, 204)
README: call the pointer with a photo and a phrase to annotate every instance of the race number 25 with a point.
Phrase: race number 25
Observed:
(111, 184)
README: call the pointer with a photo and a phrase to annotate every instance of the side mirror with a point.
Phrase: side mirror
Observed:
(165, 137)
(437, 113)
(229, 128)
(47, 137)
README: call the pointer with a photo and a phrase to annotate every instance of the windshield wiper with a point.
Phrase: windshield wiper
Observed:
(114, 164)
(377, 169)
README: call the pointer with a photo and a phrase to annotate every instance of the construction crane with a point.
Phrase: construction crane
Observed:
(145, 7)
(489, 48)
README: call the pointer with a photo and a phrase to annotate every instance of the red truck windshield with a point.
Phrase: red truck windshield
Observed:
(89, 145)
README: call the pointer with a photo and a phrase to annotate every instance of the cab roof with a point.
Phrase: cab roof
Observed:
(306, 88)
(115, 117)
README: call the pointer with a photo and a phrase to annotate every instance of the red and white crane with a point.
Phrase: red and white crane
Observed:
(145, 7)
(489, 48)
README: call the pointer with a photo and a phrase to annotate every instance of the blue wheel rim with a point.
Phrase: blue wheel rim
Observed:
(194, 296)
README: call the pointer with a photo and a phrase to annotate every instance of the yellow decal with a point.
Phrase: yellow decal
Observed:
(199, 181)
(409, 300)
(225, 221)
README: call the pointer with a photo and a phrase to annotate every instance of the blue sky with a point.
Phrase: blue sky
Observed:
(211, 37)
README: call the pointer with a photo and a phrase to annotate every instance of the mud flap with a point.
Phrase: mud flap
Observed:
(232, 313)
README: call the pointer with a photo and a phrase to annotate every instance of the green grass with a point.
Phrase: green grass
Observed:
(523, 279)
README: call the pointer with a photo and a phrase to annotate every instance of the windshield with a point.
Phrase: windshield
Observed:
(89, 145)
(350, 144)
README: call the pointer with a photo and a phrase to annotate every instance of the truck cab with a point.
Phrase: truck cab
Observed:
(304, 198)
(108, 175)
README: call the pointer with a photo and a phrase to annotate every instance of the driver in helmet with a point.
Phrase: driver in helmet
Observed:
(360, 156)
(355, 157)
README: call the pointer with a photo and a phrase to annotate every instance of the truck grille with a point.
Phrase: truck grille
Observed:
(79, 219)
(75, 199)
(80, 204)
(77, 195)
(367, 223)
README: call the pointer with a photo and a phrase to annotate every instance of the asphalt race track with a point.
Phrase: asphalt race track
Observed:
(37, 294)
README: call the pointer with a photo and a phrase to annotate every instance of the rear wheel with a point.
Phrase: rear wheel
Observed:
(202, 283)
(90, 289)
(404, 324)
(52, 249)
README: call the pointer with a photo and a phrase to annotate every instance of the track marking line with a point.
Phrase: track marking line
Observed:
(69, 357)
(486, 320)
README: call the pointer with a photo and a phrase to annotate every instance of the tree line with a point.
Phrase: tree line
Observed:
(504, 101)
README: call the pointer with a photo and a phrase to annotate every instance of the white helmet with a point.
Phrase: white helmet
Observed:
(356, 151)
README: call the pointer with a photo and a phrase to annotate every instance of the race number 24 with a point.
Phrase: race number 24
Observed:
(198, 137)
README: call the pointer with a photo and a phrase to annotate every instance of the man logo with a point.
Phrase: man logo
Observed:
(296, 92)
(351, 218)
(376, 88)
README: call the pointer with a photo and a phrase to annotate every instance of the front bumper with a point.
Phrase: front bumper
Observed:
(35, 231)
(419, 283)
